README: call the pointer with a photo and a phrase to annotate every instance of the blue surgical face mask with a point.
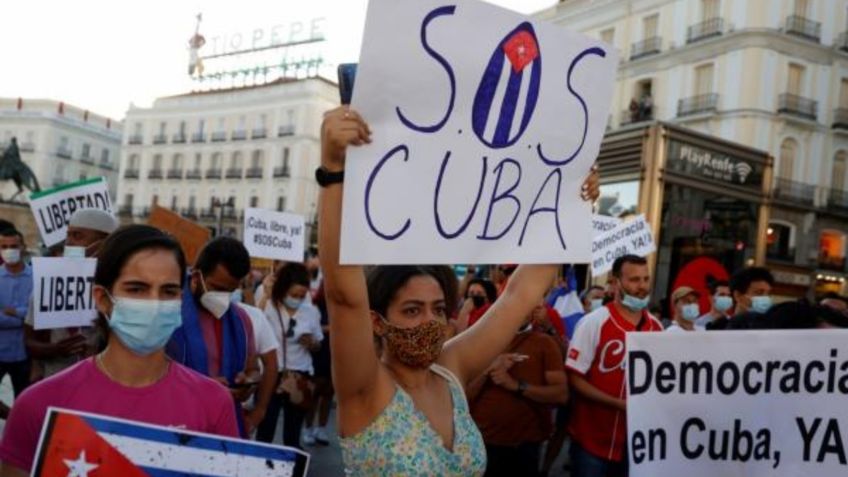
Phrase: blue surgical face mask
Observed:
(634, 303)
(292, 303)
(596, 303)
(144, 326)
(760, 304)
(691, 312)
(723, 303)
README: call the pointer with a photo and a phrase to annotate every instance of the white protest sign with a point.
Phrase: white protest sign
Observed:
(53, 208)
(628, 238)
(738, 403)
(478, 151)
(62, 292)
(274, 235)
(604, 223)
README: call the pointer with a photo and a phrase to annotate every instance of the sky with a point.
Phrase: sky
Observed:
(103, 55)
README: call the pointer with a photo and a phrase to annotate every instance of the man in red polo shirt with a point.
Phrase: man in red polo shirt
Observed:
(595, 366)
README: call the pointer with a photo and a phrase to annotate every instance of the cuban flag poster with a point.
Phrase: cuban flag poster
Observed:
(485, 125)
(76, 444)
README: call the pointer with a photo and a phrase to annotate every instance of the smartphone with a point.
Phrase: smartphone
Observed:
(347, 74)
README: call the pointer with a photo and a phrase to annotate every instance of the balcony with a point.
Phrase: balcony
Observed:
(258, 133)
(229, 213)
(239, 135)
(189, 212)
(175, 174)
(254, 173)
(701, 103)
(842, 42)
(840, 118)
(234, 173)
(207, 213)
(63, 152)
(213, 173)
(282, 172)
(145, 212)
(27, 147)
(803, 27)
(154, 174)
(135, 139)
(795, 192)
(160, 139)
(837, 201)
(198, 137)
(797, 105)
(131, 174)
(125, 211)
(706, 29)
(285, 130)
(106, 166)
(835, 264)
(178, 138)
(86, 159)
(193, 175)
(643, 48)
(219, 136)
(786, 256)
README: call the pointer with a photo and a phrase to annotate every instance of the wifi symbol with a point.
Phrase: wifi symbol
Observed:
(743, 169)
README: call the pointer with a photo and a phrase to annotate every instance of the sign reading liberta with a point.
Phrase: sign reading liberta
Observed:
(53, 208)
(483, 132)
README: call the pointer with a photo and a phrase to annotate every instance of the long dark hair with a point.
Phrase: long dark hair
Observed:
(384, 282)
(488, 287)
(288, 275)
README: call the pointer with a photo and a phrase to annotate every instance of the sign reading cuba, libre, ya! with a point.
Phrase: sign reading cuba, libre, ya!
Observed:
(483, 132)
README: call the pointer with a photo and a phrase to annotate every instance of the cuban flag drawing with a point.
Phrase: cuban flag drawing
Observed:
(509, 89)
(566, 302)
(75, 444)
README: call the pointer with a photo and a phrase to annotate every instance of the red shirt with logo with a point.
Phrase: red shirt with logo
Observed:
(597, 353)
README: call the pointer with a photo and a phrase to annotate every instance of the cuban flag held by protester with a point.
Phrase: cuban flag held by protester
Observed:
(566, 302)
(88, 445)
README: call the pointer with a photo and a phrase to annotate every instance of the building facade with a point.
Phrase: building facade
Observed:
(209, 155)
(768, 74)
(59, 142)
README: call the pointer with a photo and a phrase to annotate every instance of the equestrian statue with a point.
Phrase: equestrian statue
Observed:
(13, 168)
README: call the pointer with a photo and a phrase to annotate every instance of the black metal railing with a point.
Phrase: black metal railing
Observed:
(125, 210)
(836, 264)
(282, 172)
(213, 173)
(287, 130)
(27, 147)
(842, 41)
(189, 212)
(701, 103)
(705, 29)
(193, 174)
(198, 137)
(797, 192)
(234, 173)
(837, 200)
(63, 152)
(175, 173)
(207, 213)
(239, 135)
(219, 136)
(131, 174)
(160, 139)
(254, 173)
(797, 105)
(105, 165)
(154, 174)
(258, 133)
(87, 159)
(787, 256)
(840, 118)
(635, 116)
(646, 47)
(803, 27)
(135, 139)
(178, 138)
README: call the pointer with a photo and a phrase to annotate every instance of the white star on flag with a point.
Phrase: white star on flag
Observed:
(79, 467)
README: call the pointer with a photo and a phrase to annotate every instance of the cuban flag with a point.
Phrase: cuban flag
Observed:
(509, 89)
(75, 444)
(567, 303)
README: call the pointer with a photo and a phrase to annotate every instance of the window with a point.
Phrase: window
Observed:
(260, 121)
(137, 129)
(83, 176)
(843, 94)
(216, 160)
(182, 128)
(840, 161)
(222, 124)
(30, 135)
(704, 79)
(198, 160)
(60, 173)
(241, 122)
(780, 241)
(86, 150)
(176, 162)
(281, 204)
(709, 9)
(795, 79)
(256, 159)
(192, 202)
(286, 153)
(133, 162)
(254, 201)
(128, 201)
(63, 142)
(650, 26)
(235, 160)
(155, 199)
(200, 125)
(801, 7)
(832, 250)
(162, 126)
(608, 36)
(788, 150)
(104, 156)
(157, 162)
(174, 202)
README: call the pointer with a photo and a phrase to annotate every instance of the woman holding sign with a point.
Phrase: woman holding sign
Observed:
(138, 286)
(404, 412)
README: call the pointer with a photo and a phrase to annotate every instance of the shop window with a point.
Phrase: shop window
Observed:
(780, 242)
(832, 250)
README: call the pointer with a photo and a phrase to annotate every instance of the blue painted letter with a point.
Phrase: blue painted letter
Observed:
(464, 225)
(507, 194)
(554, 209)
(371, 178)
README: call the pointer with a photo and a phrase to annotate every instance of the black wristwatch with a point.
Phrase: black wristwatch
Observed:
(522, 386)
(324, 177)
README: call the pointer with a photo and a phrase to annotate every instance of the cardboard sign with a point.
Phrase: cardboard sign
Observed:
(274, 235)
(483, 132)
(192, 236)
(53, 208)
(737, 403)
(82, 444)
(604, 223)
(62, 292)
(628, 238)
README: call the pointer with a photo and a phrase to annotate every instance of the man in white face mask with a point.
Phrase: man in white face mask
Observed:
(15, 292)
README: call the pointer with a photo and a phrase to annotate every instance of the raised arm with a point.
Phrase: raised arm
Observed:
(355, 364)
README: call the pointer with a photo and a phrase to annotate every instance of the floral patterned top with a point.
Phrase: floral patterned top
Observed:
(401, 442)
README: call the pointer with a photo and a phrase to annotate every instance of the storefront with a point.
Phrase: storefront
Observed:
(705, 198)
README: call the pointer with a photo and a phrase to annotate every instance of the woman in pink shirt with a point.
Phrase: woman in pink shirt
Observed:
(137, 290)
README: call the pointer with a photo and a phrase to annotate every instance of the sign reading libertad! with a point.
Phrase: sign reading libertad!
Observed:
(483, 132)
(53, 208)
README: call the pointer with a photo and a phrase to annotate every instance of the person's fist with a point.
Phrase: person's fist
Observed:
(341, 127)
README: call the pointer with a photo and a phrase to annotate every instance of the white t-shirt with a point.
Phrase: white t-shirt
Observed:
(307, 320)
(263, 334)
(675, 328)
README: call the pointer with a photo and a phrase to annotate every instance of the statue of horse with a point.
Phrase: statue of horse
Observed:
(13, 168)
